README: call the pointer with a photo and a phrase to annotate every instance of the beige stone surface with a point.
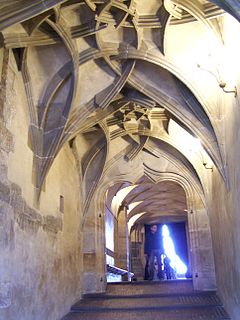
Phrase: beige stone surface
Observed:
(104, 105)
(41, 254)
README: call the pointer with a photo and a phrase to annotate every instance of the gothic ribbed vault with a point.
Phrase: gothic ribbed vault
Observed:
(108, 72)
(115, 114)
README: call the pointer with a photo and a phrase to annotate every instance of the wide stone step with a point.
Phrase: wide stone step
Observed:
(201, 313)
(145, 302)
(148, 287)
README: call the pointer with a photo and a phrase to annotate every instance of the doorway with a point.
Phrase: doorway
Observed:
(165, 252)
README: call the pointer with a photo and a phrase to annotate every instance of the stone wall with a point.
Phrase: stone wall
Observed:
(225, 222)
(224, 198)
(40, 244)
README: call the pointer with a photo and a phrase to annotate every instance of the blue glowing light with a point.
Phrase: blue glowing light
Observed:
(169, 249)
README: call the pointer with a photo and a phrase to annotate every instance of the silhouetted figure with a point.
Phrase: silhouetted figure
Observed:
(153, 248)
(167, 268)
(146, 273)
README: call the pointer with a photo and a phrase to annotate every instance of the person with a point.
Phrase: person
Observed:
(153, 248)
(167, 268)
(146, 273)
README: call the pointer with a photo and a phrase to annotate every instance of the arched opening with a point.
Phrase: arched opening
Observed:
(122, 115)
(131, 208)
(162, 204)
(166, 258)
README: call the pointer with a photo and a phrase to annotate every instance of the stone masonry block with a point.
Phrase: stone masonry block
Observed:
(30, 220)
(4, 192)
(6, 141)
(52, 224)
(17, 201)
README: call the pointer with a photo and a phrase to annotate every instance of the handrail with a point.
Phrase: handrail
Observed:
(116, 270)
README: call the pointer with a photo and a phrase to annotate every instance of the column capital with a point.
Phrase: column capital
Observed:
(123, 206)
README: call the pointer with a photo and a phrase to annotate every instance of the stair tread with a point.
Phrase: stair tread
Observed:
(141, 300)
(144, 287)
(203, 313)
(144, 282)
(148, 302)
(148, 295)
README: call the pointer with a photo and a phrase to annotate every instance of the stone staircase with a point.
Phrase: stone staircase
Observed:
(142, 300)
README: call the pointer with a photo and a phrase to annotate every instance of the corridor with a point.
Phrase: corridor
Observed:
(117, 115)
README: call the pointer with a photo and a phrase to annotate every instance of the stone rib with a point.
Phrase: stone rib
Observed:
(24, 10)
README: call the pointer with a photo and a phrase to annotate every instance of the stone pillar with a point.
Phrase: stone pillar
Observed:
(202, 260)
(122, 256)
(115, 242)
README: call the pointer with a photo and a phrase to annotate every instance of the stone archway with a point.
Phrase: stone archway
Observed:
(198, 230)
(200, 243)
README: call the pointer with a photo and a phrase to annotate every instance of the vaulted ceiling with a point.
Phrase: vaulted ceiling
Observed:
(109, 70)
(149, 202)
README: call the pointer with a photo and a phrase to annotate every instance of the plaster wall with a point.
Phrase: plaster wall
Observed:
(189, 45)
(224, 199)
(225, 219)
(40, 247)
